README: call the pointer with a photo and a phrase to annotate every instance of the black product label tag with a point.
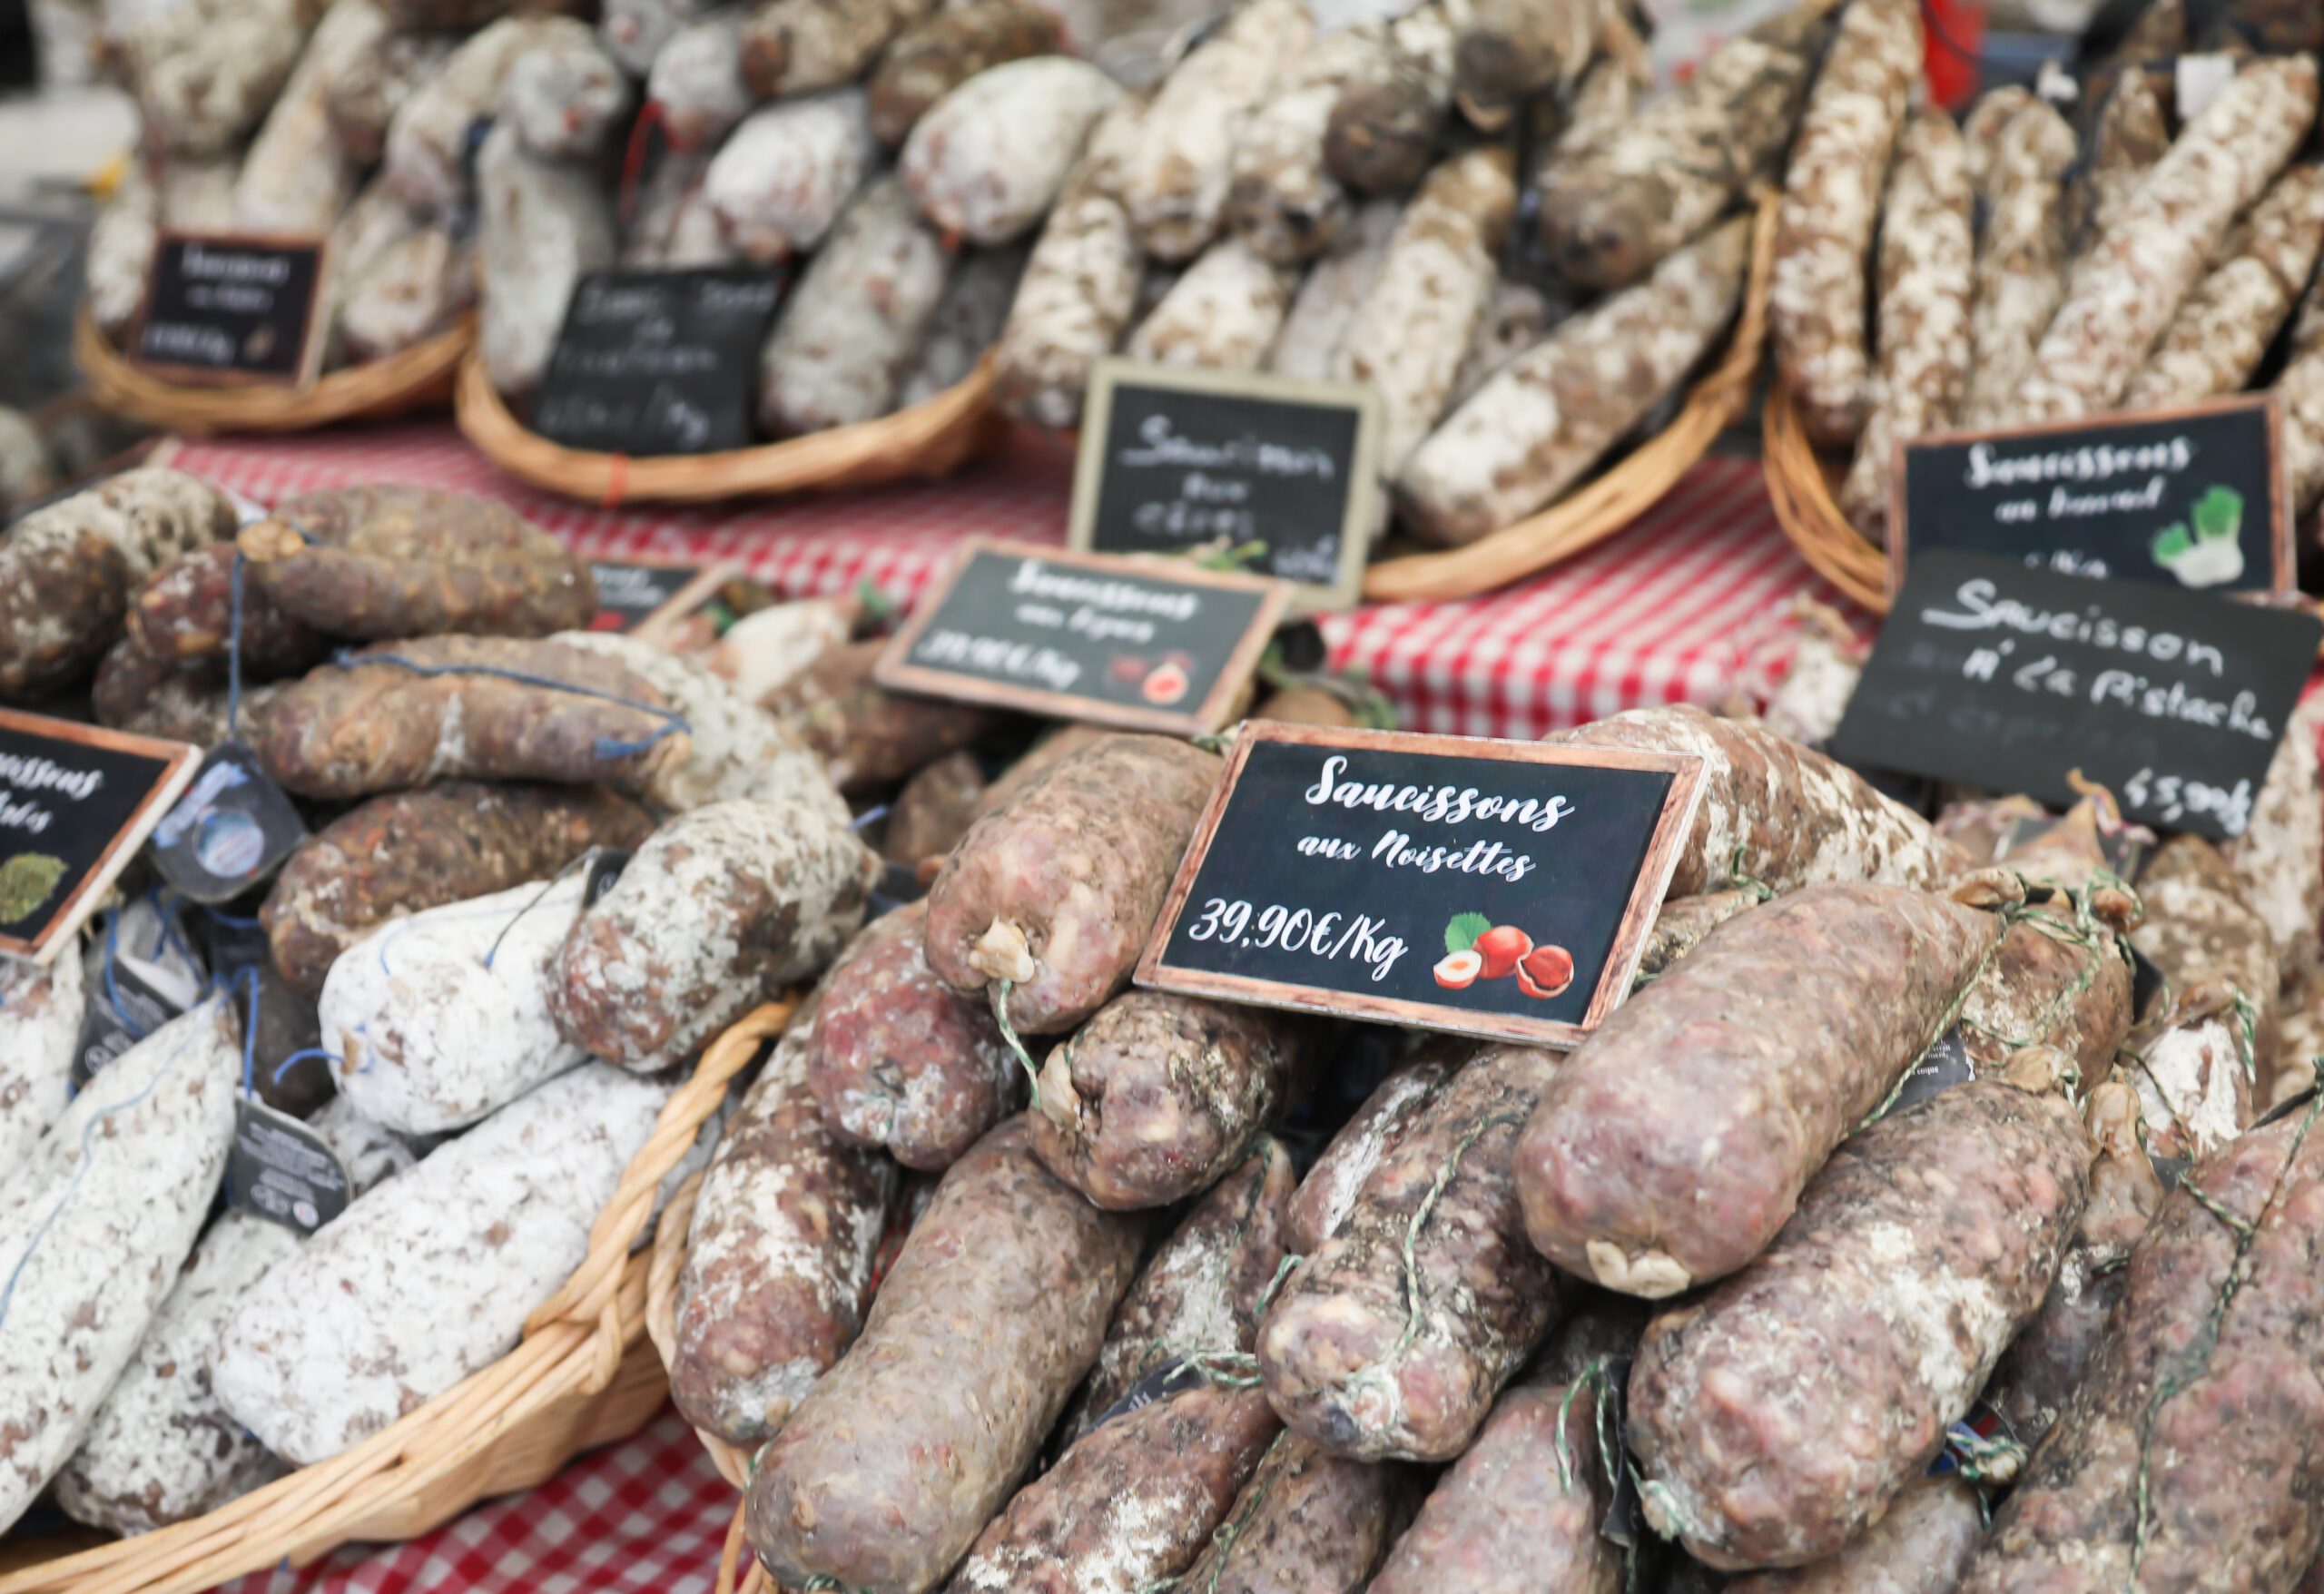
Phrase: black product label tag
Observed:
(1175, 1376)
(1625, 1519)
(121, 1012)
(230, 830)
(2170, 1170)
(605, 864)
(282, 1170)
(1942, 1066)
(2146, 980)
(232, 943)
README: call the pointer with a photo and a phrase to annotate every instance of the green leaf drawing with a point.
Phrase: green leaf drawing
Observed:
(2173, 544)
(2218, 513)
(1462, 933)
(27, 881)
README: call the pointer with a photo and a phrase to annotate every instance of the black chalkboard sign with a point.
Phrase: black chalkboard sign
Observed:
(2191, 499)
(232, 308)
(1175, 459)
(75, 803)
(2015, 680)
(1487, 887)
(1140, 644)
(633, 594)
(659, 362)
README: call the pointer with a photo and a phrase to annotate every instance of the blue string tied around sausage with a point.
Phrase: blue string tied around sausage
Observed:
(673, 723)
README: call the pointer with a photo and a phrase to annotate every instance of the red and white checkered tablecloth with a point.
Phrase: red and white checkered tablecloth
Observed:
(1669, 611)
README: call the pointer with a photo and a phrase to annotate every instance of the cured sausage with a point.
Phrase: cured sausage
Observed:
(391, 561)
(1519, 1511)
(849, 329)
(544, 225)
(1054, 896)
(135, 692)
(2132, 133)
(900, 1060)
(795, 47)
(1926, 266)
(780, 1256)
(67, 571)
(1330, 293)
(1407, 336)
(2280, 857)
(431, 1276)
(2192, 1067)
(439, 1020)
(413, 851)
(2061, 975)
(633, 31)
(1517, 317)
(1332, 1187)
(1223, 313)
(1531, 431)
(2200, 926)
(1080, 285)
(939, 53)
(401, 714)
(1831, 201)
(1199, 1295)
(1775, 811)
(894, 1464)
(1678, 1137)
(866, 735)
(185, 615)
(566, 96)
(1384, 125)
(1130, 1504)
(719, 909)
(415, 287)
(1175, 177)
(2038, 1372)
(2125, 290)
(428, 149)
(968, 321)
(1919, 1547)
(1511, 52)
(41, 1010)
(2216, 341)
(989, 158)
(1393, 1338)
(204, 74)
(1774, 1420)
(933, 810)
(697, 82)
(1283, 200)
(2192, 1455)
(1610, 213)
(1682, 923)
(296, 177)
(2021, 253)
(94, 1225)
(1307, 1519)
(782, 177)
(1158, 1093)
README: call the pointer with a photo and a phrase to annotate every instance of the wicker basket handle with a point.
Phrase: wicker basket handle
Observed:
(589, 1296)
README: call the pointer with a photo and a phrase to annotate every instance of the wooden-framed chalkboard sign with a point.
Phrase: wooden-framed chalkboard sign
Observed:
(1174, 459)
(232, 309)
(2191, 497)
(1502, 889)
(1145, 644)
(640, 596)
(77, 802)
(659, 362)
(2016, 679)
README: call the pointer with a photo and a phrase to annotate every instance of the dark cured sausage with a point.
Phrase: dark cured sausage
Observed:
(1374, 1355)
(1795, 816)
(1159, 1094)
(1201, 1294)
(2192, 1456)
(901, 1060)
(1130, 1504)
(1675, 1141)
(1308, 1521)
(413, 849)
(1519, 1511)
(895, 1461)
(184, 614)
(1328, 1193)
(1919, 1547)
(1057, 892)
(1774, 1421)
(866, 735)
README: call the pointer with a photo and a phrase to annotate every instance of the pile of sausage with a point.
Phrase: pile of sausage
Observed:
(1473, 207)
(2154, 246)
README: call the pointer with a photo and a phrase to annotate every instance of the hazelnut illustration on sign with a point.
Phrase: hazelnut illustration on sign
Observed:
(1475, 948)
(1161, 683)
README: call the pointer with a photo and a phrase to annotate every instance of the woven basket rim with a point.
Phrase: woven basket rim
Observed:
(1801, 494)
(930, 438)
(1610, 501)
(573, 1346)
(416, 377)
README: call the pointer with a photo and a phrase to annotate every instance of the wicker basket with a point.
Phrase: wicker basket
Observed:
(583, 1375)
(420, 378)
(1801, 490)
(1587, 517)
(931, 438)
